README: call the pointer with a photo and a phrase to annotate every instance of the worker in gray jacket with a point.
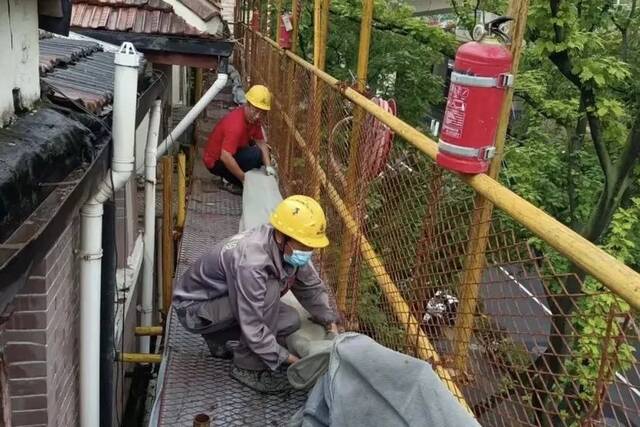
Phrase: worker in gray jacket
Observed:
(235, 289)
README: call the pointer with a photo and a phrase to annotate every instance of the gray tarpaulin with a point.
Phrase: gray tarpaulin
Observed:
(357, 381)
(369, 385)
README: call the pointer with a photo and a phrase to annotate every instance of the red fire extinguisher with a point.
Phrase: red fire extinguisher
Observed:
(255, 20)
(481, 73)
(286, 29)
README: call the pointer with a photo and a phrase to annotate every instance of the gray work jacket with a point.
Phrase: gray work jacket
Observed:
(241, 267)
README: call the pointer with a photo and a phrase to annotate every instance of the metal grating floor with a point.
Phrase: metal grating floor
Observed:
(190, 380)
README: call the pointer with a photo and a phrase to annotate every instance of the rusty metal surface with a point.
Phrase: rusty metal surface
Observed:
(191, 381)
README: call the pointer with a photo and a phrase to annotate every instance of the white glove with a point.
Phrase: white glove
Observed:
(270, 171)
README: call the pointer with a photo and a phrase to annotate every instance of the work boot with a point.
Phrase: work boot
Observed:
(218, 350)
(263, 381)
(231, 187)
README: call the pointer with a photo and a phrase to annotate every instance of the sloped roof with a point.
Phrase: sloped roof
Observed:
(60, 51)
(136, 16)
(205, 9)
(77, 71)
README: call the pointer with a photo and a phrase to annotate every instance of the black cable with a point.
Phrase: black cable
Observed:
(115, 348)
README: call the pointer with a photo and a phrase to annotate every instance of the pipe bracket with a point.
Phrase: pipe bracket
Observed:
(92, 257)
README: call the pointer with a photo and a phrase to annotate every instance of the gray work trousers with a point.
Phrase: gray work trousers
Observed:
(215, 318)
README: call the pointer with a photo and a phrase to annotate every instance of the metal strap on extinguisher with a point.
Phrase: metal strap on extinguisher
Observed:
(503, 80)
(484, 153)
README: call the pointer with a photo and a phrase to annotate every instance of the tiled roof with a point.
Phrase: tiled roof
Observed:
(205, 9)
(77, 71)
(137, 16)
(59, 51)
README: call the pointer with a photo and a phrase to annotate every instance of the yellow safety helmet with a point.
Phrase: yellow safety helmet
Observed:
(260, 97)
(302, 219)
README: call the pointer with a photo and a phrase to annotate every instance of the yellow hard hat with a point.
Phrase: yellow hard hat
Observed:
(260, 97)
(302, 219)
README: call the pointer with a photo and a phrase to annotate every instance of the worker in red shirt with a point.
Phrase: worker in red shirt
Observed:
(229, 152)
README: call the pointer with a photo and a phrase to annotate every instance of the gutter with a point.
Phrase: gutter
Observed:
(38, 232)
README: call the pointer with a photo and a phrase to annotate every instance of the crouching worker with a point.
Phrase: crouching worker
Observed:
(234, 291)
(237, 143)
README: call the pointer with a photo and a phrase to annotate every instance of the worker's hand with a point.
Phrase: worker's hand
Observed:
(270, 171)
(292, 359)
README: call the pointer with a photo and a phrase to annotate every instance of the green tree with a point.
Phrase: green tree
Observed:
(575, 152)
(403, 53)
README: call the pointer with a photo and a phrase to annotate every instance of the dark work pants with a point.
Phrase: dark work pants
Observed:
(215, 319)
(248, 158)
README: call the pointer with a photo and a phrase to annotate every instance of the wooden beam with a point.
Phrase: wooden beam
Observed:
(197, 61)
(163, 43)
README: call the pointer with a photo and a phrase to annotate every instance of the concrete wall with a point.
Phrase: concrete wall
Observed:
(19, 50)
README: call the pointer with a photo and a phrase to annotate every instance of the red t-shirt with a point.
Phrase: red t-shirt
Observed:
(231, 133)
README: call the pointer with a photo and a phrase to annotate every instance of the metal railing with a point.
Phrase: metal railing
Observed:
(516, 335)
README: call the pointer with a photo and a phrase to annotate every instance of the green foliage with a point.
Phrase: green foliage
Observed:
(403, 52)
(579, 62)
(372, 314)
(597, 354)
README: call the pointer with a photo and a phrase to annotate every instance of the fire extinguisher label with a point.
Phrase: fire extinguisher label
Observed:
(286, 20)
(453, 122)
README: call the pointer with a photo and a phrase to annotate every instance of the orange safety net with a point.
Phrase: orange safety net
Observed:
(529, 343)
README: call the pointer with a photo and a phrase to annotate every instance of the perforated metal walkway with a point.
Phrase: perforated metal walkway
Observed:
(190, 381)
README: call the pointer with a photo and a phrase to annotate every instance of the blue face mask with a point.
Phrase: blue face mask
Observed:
(298, 258)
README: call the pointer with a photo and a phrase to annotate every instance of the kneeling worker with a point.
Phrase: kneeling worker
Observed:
(228, 153)
(239, 283)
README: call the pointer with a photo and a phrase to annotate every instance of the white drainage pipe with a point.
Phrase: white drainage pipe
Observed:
(123, 162)
(193, 114)
(150, 162)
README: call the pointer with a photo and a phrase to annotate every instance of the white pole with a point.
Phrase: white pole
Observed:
(193, 114)
(90, 270)
(150, 162)
(125, 88)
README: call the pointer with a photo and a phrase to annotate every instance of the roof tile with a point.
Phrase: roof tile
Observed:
(203, 8)
(139, 16)
(77, 70)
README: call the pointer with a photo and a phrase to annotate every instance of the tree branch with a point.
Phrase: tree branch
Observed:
(445, 49)
(630, 154)
(563, 63)
(537, 107)
(595, 126)
(573, 146)
(557, 29)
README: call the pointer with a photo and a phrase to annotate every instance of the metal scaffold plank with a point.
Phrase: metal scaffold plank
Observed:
(192, 382)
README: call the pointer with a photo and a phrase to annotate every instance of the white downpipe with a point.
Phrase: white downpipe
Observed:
(202, 103)
(150, 162)
(123, 132)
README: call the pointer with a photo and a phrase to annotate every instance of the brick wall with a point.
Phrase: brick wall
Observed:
(40, 339)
